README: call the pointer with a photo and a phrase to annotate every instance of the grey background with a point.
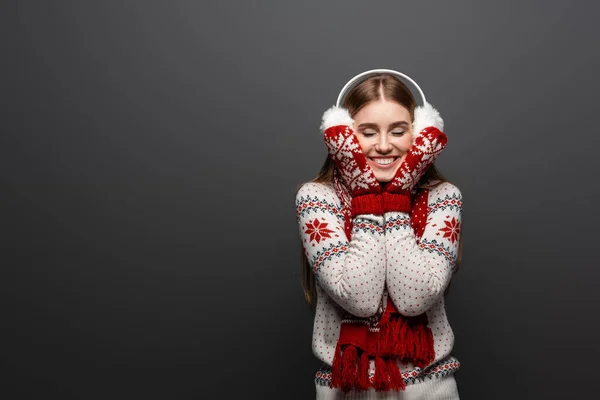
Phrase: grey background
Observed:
(150, 155)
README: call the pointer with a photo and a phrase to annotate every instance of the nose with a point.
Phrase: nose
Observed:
(383, 145)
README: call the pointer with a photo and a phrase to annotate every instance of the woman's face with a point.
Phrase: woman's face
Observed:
(384, 132)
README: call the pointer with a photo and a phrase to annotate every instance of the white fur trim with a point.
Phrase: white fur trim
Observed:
(426, 116)
(336, 116)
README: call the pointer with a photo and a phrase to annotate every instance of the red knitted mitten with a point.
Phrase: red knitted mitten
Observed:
(428, 143)
(345, 151)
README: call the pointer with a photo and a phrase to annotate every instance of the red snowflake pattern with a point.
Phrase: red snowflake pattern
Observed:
(451, 229)
(318, 230)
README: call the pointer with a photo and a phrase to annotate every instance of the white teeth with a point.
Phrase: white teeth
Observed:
(384, 161)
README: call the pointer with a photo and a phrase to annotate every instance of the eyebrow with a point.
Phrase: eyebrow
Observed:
(375, 126)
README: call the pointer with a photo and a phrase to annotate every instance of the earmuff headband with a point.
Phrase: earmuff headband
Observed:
(409, 82)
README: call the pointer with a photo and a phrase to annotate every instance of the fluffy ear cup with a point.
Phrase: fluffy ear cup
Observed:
(426, 116)
(336, 116)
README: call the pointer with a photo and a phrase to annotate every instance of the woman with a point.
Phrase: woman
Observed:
(380, 233)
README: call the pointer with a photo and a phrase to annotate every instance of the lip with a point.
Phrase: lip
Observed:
(391, 165)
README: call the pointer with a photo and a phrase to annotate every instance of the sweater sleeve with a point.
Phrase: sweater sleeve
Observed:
(418, 273)
(351, 272)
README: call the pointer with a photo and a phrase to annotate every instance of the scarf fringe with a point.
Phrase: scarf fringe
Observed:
(425, 352)
(401, 339)
(381, 380)
(409, 338)
(363, 382)
(349, 368)
(336, 368)
(396, 380)
(348, 371)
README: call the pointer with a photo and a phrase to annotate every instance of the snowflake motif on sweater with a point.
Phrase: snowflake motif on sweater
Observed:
(451, 230)
(317, 231)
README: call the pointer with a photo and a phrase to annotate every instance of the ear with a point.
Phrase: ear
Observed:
(426, 116)
(336, 116)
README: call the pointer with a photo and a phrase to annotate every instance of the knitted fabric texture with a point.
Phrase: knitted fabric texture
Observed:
(387, 337)
(387, 256)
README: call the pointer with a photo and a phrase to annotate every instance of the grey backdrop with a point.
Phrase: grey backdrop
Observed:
(150, 156)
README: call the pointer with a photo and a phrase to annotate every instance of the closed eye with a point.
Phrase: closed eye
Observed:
(369, 134)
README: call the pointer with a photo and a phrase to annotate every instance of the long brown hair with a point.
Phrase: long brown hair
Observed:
(376, 87)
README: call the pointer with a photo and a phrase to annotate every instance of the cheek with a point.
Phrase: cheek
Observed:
(405, 144)
(409, 142)
(361, 142)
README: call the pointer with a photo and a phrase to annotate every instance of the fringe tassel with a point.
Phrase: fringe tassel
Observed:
(397, 330)
(336, 368)
(429, 342)
(381, 380)
(385, 339)
(403, 341)
(425, 352)
(363, 382)
(409, 342)
(413, 340)
(396, 380)
(349, 368)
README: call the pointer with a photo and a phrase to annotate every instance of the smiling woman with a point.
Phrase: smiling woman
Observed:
(368, 103)
(384, 135)
(380, 230)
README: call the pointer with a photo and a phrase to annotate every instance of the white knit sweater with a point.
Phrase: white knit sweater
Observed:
(383, 258)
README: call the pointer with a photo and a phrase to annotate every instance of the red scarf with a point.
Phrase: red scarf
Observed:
(387, 337)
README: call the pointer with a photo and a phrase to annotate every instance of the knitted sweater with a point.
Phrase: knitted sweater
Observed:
(385, 256)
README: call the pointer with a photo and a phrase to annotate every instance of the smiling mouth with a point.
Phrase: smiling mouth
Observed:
(384, 162)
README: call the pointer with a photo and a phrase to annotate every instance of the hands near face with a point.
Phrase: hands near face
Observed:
(345, 151)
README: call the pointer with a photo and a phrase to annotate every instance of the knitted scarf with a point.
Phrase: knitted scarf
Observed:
(387, 337)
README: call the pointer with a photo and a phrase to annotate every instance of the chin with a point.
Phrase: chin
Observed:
(387, 177)
(384, 179)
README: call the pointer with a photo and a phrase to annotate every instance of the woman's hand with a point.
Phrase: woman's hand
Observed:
(346, 153)
(428, 143)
